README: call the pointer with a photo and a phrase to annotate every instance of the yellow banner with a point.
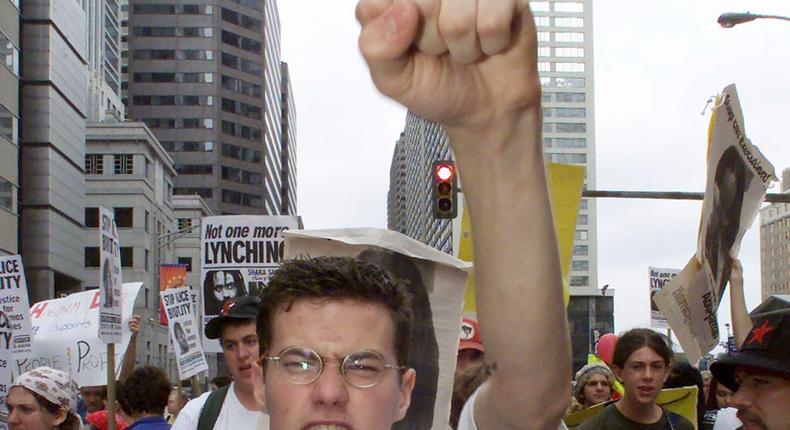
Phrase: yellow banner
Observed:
(566, 182)
(682, 401)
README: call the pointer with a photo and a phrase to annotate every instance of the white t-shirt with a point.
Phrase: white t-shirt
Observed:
(727, 419)
(233, 414)
(467, 419)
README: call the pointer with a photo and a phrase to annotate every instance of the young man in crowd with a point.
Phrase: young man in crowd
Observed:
(760, 374)
(334, 331)
(143, 397)
(233, 406)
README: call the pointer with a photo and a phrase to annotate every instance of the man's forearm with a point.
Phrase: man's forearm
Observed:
(517, 271)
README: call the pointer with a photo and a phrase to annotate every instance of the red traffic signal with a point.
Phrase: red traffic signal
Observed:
(445, 190)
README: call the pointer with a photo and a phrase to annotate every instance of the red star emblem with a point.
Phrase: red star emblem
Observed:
(758, 334)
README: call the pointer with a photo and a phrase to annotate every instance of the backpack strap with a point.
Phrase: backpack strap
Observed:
(210, 411)
(673, 420)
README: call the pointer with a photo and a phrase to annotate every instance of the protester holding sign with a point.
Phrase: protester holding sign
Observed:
(490, 107)
(43, 399)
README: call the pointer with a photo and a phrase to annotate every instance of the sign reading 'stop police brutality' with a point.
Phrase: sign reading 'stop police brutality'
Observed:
(184, 331)
(15, 331)
(109, 279)
(238, 255)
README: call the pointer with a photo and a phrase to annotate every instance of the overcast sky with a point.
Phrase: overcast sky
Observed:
(655, 64)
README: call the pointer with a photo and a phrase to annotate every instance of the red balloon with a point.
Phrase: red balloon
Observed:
(606, 347)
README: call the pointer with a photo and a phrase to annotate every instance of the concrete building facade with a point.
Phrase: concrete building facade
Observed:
(9, 126)
(130, 173)
(775, 245)
(54, 110)
(206, 78)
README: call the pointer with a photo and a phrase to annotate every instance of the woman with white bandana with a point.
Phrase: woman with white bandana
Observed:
(43, 399)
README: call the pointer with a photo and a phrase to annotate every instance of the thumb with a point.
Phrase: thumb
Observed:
(385, 42)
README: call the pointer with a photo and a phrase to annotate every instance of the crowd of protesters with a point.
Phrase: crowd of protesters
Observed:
(474, 71)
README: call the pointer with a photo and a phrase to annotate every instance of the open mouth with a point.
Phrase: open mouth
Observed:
(333, 426)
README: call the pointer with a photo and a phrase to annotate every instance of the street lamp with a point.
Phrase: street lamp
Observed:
(731, 19)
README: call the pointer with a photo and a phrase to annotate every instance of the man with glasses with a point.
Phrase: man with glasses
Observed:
(233, 406)
(334, 332)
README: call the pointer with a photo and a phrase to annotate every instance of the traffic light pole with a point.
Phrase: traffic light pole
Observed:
(671, 195)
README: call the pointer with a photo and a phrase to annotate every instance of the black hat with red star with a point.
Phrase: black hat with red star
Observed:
(766, 348)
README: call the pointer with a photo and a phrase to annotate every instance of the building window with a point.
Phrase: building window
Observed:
(127, 256)
(9, 54)
(580, 250)
(240, 153)
(194, 169)
(91, 256)
(123, 164)
(187, 261)
(7, 195)
(566, 7)
(124, 217)
(580, 281)
(147, 221)
(206, 193)
(94, 164)
(8, 124)
(184, 223)
(567, 21)
(581, 265)
(147, 261)
(91, 217)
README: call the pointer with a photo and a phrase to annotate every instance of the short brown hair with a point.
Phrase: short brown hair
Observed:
(638, 338)
(336, 278)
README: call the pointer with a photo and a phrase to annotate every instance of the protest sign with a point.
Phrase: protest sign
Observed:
(566, 182)
(170, 276)
(658, 279)
(110, 282)
(65, 336)
(184, 331)
(238, 254)
(436, 281)
(15, 331)
(738, 177)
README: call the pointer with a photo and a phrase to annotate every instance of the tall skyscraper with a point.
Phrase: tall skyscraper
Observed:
(9, 123)
(54, 110)
(206, 78)
(288, 150)
(565, 64)
(104, 60)
(775, 245)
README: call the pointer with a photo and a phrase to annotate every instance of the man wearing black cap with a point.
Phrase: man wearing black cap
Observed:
(233, 406)
(760, 373)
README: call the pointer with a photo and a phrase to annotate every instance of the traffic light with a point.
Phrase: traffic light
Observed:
(445, 190)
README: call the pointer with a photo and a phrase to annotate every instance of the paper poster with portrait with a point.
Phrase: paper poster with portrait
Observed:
(238, 254)
(436, 281)
(738, 177)
(659, 277)
(184, 331)
(110, 280)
